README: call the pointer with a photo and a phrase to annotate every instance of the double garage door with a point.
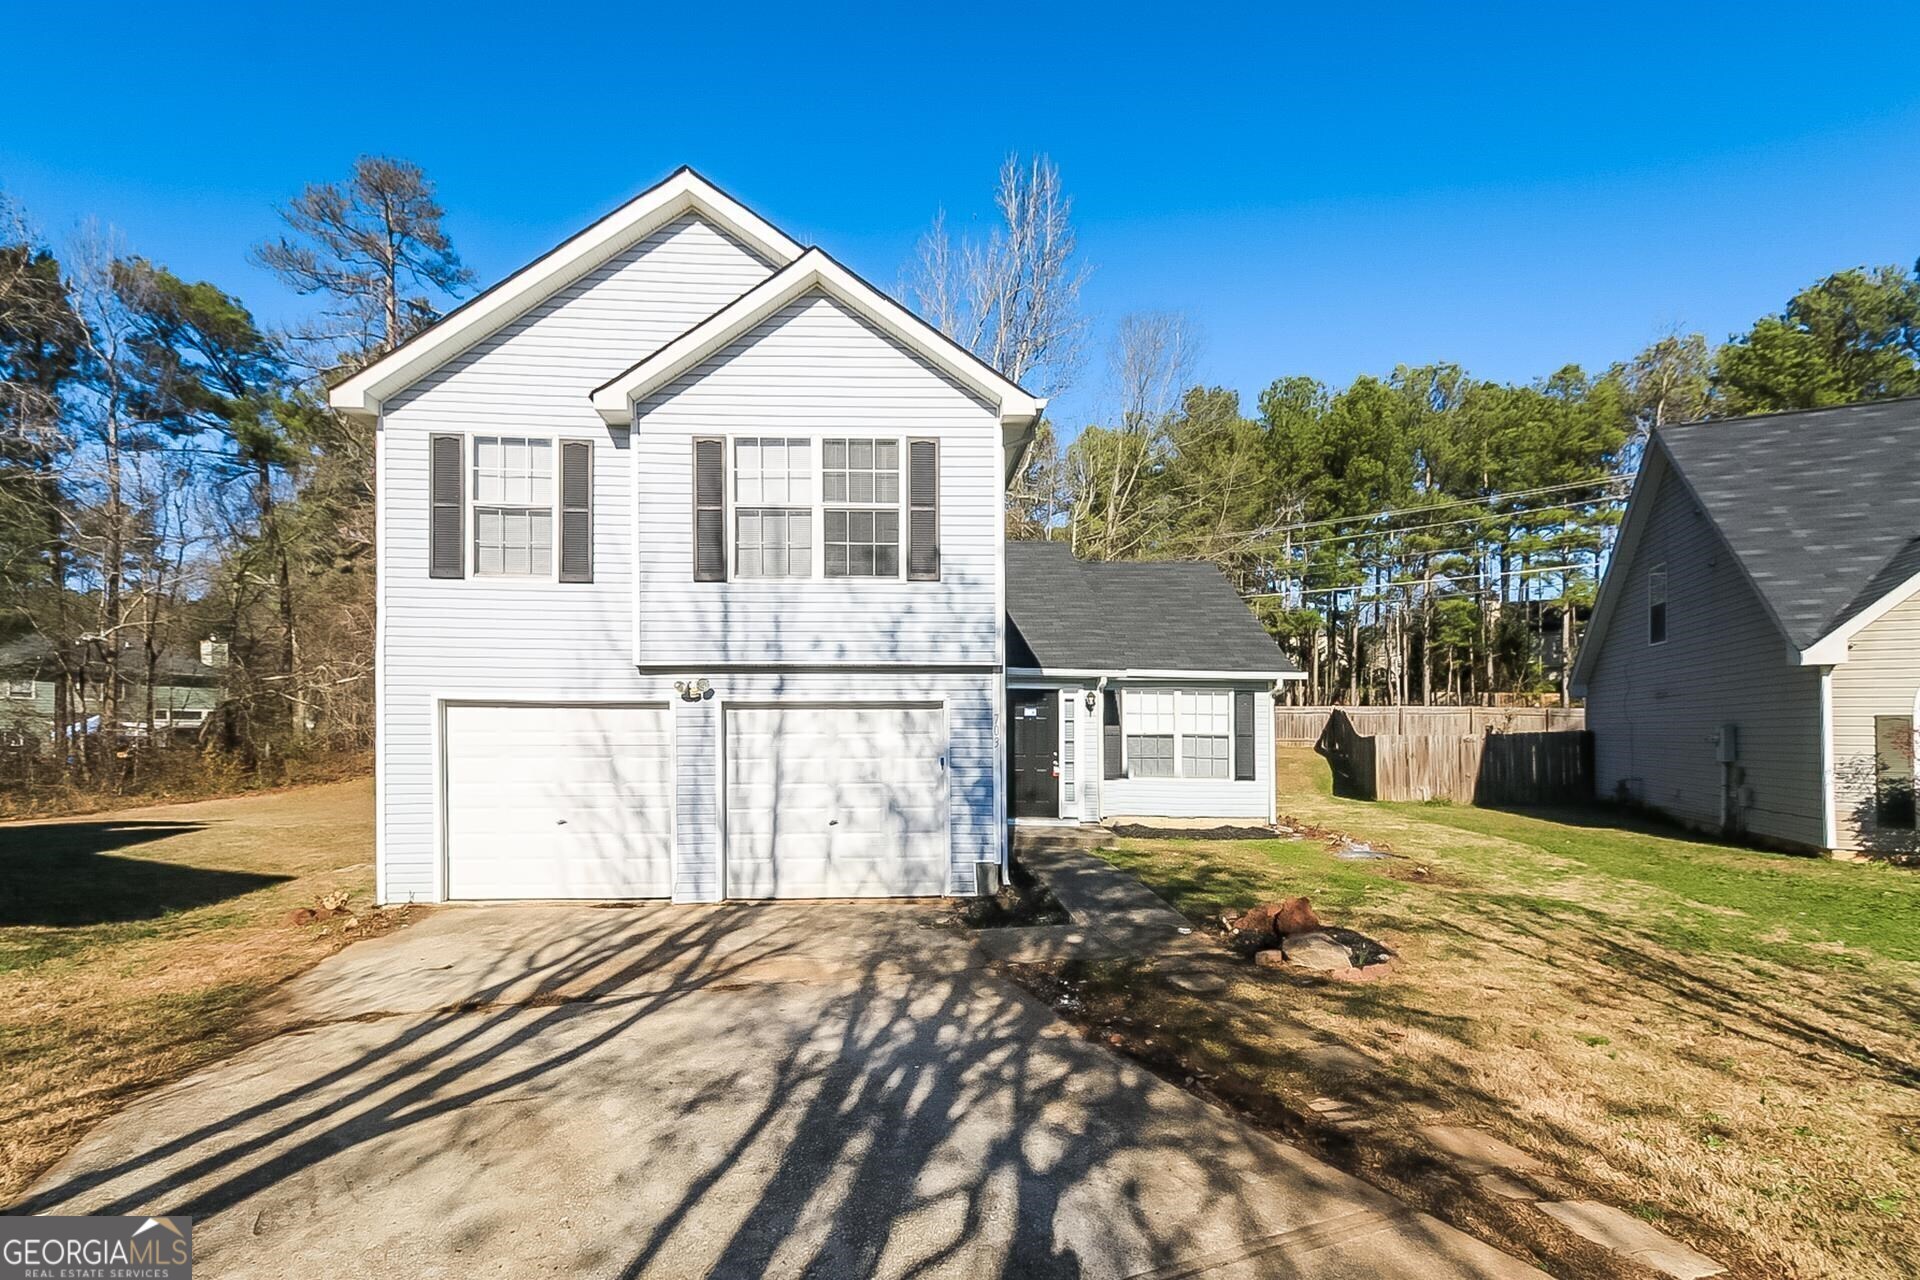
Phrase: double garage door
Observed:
(578, 802)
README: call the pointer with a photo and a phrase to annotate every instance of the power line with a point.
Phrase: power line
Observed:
(1625, 477)
(1439, 524)
(1437, 580)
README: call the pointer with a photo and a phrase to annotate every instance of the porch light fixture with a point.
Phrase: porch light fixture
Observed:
(1092, 698)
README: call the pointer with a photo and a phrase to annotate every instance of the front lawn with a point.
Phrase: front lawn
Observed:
(133, 944)
(1720, 1041)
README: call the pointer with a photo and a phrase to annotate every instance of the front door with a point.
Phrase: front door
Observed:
(1034, 742)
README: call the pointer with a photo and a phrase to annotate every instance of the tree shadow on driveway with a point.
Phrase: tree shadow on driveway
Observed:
(819, 1089)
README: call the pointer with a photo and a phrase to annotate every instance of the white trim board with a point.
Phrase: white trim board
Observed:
(360, 394)
(1831, 649)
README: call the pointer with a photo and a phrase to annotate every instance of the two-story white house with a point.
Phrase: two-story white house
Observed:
(691, 577)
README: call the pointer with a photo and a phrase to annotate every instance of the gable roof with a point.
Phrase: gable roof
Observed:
(360, 393)
(1164, 617)
(1820, 508)
(814, 271)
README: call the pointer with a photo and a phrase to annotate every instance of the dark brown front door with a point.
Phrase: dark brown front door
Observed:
(1034, 743)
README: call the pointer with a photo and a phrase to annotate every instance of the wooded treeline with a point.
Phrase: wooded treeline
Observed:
(169, 475)
(1428, 536)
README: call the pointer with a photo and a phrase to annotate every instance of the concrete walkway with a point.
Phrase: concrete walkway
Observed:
(825, 1089)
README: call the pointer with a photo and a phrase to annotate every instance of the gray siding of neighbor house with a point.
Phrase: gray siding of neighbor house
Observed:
(1879, 678)
(1656, 710)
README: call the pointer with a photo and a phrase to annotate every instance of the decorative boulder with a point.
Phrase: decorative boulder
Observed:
(1272, 958)
(1295, 915)
(1317, 950)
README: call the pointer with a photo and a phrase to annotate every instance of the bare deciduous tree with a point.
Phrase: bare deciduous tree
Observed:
(1014, 298)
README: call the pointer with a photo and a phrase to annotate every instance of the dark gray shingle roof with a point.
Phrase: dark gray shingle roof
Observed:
(1169, 615)
(1822, 506)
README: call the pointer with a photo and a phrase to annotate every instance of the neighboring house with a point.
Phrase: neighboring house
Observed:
(1754, 657)
(1135, 691)
(187, 689)
(690, 577)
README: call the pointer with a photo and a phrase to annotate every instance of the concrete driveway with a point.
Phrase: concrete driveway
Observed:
(808, 1089)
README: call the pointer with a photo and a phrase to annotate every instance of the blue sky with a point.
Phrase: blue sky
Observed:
(1510, 187)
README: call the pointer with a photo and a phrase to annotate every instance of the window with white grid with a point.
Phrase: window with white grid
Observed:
(512, 506)
(1151, 723)
(860, 490)
(773, 516)
(1206, 734)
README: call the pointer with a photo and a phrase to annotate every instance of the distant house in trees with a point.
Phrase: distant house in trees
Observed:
(186, 691)
(1754, 659)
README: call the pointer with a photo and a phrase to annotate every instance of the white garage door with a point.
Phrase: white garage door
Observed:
(836, 802)
(559, 802)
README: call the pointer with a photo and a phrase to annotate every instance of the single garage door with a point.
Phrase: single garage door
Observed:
(559, 802)
(836, 801)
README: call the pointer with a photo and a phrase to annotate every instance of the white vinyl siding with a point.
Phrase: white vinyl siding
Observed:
(1656, 710)
(1879, 679)
(490, 636)
(818, 371)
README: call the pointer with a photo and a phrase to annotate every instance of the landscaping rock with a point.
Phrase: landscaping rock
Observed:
(1316, 950)
(1272, 958)
(1295, 915)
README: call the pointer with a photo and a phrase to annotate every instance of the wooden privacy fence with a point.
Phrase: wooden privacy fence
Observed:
(1303, 726)
(1492, 768)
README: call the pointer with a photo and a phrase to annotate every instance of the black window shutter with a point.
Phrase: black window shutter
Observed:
(923, 511)
(1243, 735)
(576, 511)
(709, 511)
(447, 519)
(1110, 734)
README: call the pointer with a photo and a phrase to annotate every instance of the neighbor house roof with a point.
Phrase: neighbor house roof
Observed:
(31, 654)
(1820, 508)
(1161, 617)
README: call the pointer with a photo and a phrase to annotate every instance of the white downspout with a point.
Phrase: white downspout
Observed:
(1829, 827)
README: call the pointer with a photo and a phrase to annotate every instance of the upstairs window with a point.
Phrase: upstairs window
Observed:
(512, 507)
(20, 689)
(860, 494)
(773, 511)
(1657, 605)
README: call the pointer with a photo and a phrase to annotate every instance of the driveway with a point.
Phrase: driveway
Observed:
(807, 1089)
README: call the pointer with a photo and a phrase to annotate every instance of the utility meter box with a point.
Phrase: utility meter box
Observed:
(1727, 745)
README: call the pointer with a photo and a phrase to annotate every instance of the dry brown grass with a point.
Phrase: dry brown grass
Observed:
(132, 945)
(1719, 1041)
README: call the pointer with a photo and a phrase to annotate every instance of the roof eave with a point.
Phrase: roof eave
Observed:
(1830, 650)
